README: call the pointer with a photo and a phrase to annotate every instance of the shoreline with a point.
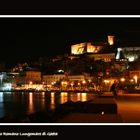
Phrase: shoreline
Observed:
(80, 91)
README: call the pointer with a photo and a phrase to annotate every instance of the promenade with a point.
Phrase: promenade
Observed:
(128, 106)
(128, 110)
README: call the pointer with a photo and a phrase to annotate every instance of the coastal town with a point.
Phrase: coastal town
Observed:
(90, 66)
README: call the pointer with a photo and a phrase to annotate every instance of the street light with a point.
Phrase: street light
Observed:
(84, 82)
(30, 82)
(136, 78)
(122, 79)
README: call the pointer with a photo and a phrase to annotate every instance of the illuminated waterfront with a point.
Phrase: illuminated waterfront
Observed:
(16, 106)
(20, 104)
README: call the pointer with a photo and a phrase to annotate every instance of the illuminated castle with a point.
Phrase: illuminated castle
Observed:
(98, 50)
(109, 49)
(91, 47)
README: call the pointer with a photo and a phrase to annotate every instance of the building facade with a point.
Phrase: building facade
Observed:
(51, 79)
(33, 76)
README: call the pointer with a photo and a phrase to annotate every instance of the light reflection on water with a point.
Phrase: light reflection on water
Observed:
(52, 104)
(22, 103)
(84, 97)
(1, 105)
(42, 101)
(31, 103)
(63, 97)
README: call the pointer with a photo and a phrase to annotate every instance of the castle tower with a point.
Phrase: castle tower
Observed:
(110, 40)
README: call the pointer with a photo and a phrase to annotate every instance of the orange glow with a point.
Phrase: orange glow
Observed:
(78, 48)
(79, 84)
(136, 78)
(78, 96)
(33, 86)
(106, 81)
(131, 80)
(91, 48)
(102, 112)
(122, 79)
(64, 83)
(63, 97)
(84, 82)
(83, 97)
(52, 105)
(31, 104)
(30, 82)
(52, 83)
(72, 84)
(43, 100)
(111, 40)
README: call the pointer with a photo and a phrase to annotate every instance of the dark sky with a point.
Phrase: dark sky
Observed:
(24, 39)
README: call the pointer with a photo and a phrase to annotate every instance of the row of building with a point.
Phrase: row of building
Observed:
(35, 79)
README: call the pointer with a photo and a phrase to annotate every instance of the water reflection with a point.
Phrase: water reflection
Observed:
(52, 103)
(1, 97)
(22, 103)
(31, 103)
(78, 96)
(63, 97)
(42, 101)
(83, 97)
(1, 105)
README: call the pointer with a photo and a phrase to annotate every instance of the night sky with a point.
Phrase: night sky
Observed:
(23, 39)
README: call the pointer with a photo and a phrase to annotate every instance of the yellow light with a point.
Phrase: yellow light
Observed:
(63, 97)
(52, 94)
(83, 97)
(111, 40)
(131, 80)
(31, 103)
(72, 84)
(79, 84)
(136, 78)
(64, 83)
(78, 96)
(91, 48)
(106, 81)
(52, 105)
(102, 112)
(83, 81)
(30, 82)
(122, 79)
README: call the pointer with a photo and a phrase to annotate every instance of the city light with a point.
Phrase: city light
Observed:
(30, 82)
(83, 97)
(7, 86)
(102, 113)
(63, 97)
(106, 81)
(79, 84)
(131, 80)
(111, 40)
(136, 78)
(118, 53)
(131, 58)
(84, 82)
(122, 79)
